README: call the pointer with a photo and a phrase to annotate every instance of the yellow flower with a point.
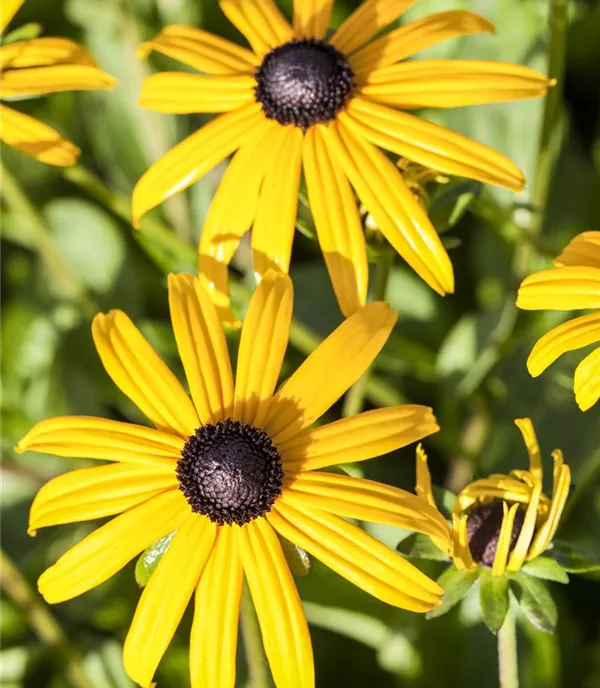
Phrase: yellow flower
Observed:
(298, 102)
(503, 521)
(573, 284)
(37, 66)
(228, 469)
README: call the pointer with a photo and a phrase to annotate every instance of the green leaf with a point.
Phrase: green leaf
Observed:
(149, 559)
(297, 559)
(420, 546)
(494, 599)
(536, 602)
(456, 585)
(546, 568)
(573, 559)
(444, 499)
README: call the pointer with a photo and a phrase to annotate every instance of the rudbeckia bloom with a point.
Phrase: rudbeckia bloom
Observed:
(34, 67)
(503, 521)
(301, 102)
(573, 284)
(228, 469)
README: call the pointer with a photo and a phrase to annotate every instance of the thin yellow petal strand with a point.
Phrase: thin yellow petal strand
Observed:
(139, 372)
(53, 79)
(461, 553)
(34, 138)
(8, 9)
(191, 159)
(264, 340)
(337, 220)
(97, 438)
(560, 289)
(583, 250)
(282, 621)
(423, 487)
(339, 360)
(587, 381)
(260, 21)
(411, 38)
(521, 549)
(213, 642)
(358, 438)
(503, 546)
(311, 18)
(533, 448)
(367, 20)
(202, 348)
(356, 556)
(43, 51)
(166, 596)
(105, 551)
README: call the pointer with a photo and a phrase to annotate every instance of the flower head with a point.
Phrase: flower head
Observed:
(299, 102)
(228, 468)
(573, 284)
(37, 66)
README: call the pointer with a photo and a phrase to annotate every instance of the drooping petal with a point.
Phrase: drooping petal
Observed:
(499, 487)
(273, 231)
(533, 448)
(90, 493)
(140, 373)
(166, 596)
(430, 145)
(97, 438)
(34, 138)
(8, 9)
(397, 213)
(311, 18)
(503, 546)
(587, 381)
(105, 551)
(43, 51)
(560, 289)
(260, 21)
(423, 486)
(202, 348)
(407, 40)
(356, 556)
(53, 79)
(337, 221)
(287, 643)
(191, 159)
(357, 438)
(213, 641)
(519, 553)
(367, 20)
(582, 250)
(264, 340)
(329, 371)
(201, 50)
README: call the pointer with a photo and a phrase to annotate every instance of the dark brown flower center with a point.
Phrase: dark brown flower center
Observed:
(483, 527)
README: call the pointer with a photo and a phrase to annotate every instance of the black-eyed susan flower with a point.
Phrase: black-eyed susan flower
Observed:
(230, 467)
(300, 102)
(572, 285)
(39, 66)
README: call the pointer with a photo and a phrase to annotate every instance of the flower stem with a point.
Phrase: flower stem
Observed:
(508, 666)
(258, 667)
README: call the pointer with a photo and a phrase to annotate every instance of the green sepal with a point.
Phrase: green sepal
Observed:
(453, 201)
(535, 601)
(573, 559)
(297, 558)
(419, 546)
(149, 559)
(456, 584)
(545, 568)
(494, 599)
(23, 33)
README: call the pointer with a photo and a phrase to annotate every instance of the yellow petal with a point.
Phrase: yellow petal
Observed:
(53, 79)
(339, 360)
(166, 596)
(431, 145)
(533, 448)
(105, 551)
(503, 546)
(282, 621)
(262, 347)
(337, 221)
(36, 139)
(519, 553)
(562, 483)
(397, 213)
(213, 642)
(8, 9)
(461, 553)
(97, 438)
(482, 490)
(414, 37)
(560, 289)
(367, 20)
(358, 557)
(311, 18)
(191, 159)
(201, 50)
(423, 487)
(569, 336)
(582, 250)
(587, 381)
(358, 438)
(97, 492)
(202, 348)
(139, 372)
(273, 231)
(43, 51)
(260, 22)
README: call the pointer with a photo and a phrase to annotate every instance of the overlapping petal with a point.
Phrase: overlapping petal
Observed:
(260, 21)
(563, 289)
(53, 79)
(311, 18)
(587, 381)
(43, 51)
(583, 250)
(519, 553)
(504, 539)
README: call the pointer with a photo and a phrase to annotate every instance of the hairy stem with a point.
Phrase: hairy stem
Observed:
(508, 666)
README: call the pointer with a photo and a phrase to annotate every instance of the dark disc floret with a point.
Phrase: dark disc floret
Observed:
(230, 472)
(483, 527)
(303, 82)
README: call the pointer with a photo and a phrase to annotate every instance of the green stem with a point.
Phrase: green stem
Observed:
(508, 666)
(42, 622)
(258, 666)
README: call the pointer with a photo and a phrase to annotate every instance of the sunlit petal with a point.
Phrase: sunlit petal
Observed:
(311, 18)
(52, 79)
(8, 9)
(43, 51)
(587, 381)
(504, 538)
(533, 448)
(561, 289)
(260, 21)
(582, 250)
